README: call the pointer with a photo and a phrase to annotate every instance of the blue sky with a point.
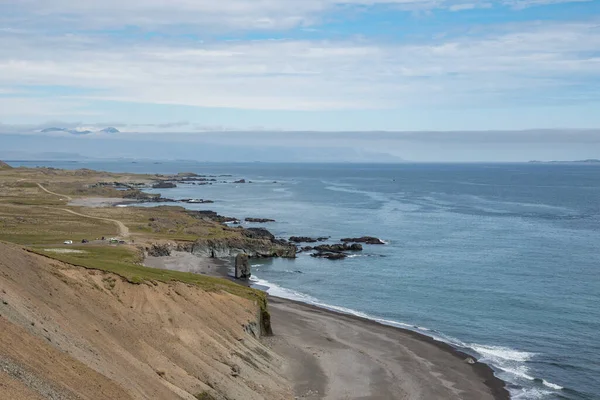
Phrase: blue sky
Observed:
(321, 65)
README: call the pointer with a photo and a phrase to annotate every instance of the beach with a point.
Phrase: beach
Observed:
(330, 355)
(337, 356)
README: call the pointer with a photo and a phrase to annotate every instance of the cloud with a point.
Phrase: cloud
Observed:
(207, 15)
(519, 63)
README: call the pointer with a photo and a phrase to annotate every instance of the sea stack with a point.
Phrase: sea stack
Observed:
(242, 267)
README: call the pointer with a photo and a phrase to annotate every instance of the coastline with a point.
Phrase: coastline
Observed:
(410, 364)
(431, 369)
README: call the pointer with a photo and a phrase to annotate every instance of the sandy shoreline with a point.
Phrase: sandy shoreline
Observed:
(338, 356)
(331, 355)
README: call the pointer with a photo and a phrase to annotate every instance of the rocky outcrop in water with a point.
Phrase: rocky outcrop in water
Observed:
(330, 256)
(164, 185)
(337, 248)
(307, 239)
(259, 220)
(364, 239)
(240, 181)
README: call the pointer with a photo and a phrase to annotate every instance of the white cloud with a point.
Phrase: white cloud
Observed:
(209, 15)
(513, 62)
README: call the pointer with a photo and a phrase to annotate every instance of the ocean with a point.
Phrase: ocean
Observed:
(500, 260)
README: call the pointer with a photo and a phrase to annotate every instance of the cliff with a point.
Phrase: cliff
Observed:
(255, 242)
(72, 333)
(232, 246)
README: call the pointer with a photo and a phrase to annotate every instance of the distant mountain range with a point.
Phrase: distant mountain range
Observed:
(588, 161)
(110, 129)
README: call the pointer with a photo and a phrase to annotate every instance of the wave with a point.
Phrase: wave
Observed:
(531, 394)
(510, 362)
(504, 353)
(552, 385)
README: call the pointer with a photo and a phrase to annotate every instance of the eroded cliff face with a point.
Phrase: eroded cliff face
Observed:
(86, 334)
(254, 242)
(231, 247)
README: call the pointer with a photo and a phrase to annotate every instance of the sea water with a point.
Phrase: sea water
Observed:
(500, 260)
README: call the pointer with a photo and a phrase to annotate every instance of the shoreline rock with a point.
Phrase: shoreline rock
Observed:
(242, 267)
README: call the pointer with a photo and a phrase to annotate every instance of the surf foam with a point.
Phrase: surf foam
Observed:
(509, 361)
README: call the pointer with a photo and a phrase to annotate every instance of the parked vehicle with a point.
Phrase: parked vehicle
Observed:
(68, 242)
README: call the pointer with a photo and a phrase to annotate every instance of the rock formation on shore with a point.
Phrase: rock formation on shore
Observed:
(242, 267)
(255, 242)
(211, 216)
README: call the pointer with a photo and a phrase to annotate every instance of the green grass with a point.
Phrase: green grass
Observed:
(123, 261)
(30, 225)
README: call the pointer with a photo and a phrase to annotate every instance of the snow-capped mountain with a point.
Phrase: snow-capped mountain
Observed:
(80, 131)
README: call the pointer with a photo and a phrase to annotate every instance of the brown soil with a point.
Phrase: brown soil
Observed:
(70, 333)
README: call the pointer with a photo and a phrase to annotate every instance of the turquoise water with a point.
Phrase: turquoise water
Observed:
(501, 260)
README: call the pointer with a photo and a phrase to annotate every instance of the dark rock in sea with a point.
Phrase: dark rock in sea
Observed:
(330, 256)
(159, 250)
(336, 248)
(306, 239)
(307, 248)
(364, 239)
(164, 185)
(259, 220)
(240, 181)
(242, 267)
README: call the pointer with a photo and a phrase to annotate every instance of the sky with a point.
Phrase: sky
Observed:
(305, 65)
